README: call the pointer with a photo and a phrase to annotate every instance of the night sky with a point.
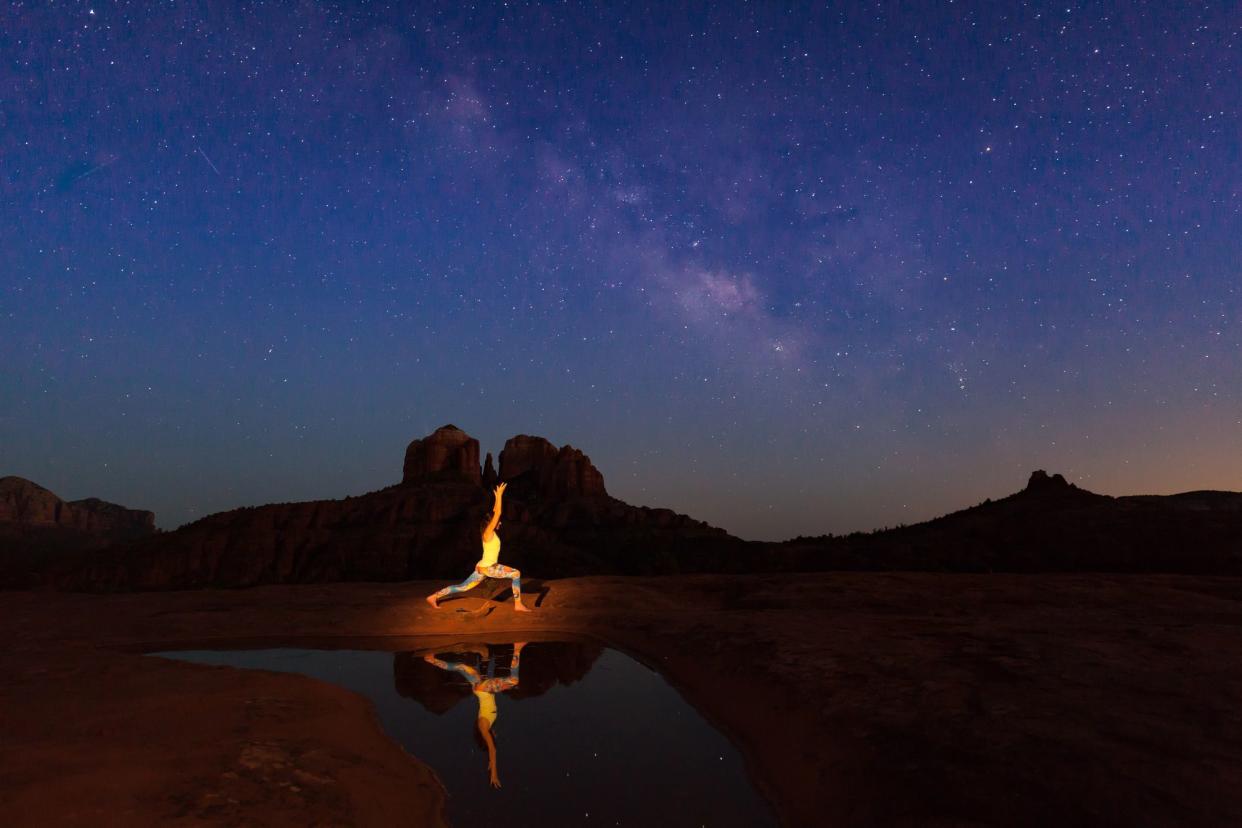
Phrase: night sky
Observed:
(790, 271)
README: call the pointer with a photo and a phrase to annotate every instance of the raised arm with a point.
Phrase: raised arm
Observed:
(493, 775)
(491, 526)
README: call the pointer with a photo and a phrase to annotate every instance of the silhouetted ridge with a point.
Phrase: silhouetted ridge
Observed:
(1049, 526)
(560, 521)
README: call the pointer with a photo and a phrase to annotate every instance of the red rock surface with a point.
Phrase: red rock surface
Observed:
(858, 699)
(28, 504)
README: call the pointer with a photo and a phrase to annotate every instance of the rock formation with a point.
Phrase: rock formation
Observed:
(40, 532)
(536, 466)
(558, 520)
(95, 516)
(27, 504)
(448, 451)
(489, 474)
(1041, 482)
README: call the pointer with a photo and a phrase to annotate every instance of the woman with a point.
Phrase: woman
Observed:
(485, 691)
(487, 566)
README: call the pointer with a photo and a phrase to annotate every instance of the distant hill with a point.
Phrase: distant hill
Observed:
(560, 521)
(1050, 526)
(38, 529)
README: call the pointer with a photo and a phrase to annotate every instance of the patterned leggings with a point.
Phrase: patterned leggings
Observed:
(488, 685)
(476, 578)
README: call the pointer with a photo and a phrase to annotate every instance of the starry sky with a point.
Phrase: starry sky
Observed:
(790, 269)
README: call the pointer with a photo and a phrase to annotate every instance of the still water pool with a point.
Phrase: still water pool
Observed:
(549, 733)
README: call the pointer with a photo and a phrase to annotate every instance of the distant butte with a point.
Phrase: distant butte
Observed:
(446, 451)
(1041, 481)
(533, 465)
(549, 472)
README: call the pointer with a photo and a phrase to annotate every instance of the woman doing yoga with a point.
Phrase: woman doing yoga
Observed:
(487, 567)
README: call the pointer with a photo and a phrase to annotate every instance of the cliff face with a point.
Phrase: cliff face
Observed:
(446, 452)
(27, 504)
(540, 469)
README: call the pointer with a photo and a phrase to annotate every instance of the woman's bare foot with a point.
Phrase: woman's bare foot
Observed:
(518, 606)
(431, 599)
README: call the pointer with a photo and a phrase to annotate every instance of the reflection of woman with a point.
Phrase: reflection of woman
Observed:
(485, 691)
(487, 567)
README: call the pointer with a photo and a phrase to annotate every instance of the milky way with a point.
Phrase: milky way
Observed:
(791, 271)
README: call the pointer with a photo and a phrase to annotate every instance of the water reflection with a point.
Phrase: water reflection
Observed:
(482, 669)
(546, 664)
(485, 690)
(581, 728)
